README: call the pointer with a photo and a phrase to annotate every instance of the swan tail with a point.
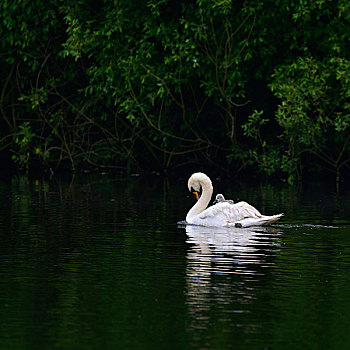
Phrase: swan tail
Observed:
(268, 220)
(264, 220)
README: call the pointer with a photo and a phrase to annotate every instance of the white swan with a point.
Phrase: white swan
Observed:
(222, 214)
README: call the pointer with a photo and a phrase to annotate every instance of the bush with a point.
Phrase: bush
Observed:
(159, 84)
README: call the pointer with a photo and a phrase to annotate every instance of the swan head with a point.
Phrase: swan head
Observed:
(196, 181)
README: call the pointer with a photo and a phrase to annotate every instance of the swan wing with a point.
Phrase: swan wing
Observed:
(232, 212)
(224, 213)
(246, 210)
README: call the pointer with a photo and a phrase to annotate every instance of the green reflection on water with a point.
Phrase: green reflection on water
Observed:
(100, 263)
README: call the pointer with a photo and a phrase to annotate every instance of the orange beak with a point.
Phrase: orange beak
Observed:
(196, 194)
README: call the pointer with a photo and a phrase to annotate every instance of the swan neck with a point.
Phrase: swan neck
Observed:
(202, 203)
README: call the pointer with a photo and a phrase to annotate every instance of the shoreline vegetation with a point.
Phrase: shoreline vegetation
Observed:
(246, 87)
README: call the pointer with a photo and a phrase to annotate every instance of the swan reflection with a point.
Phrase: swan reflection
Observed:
(225, 266)
(240, 244)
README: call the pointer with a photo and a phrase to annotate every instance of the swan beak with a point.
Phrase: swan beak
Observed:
(196, 194)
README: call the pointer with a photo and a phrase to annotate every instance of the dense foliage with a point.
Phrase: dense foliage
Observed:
(159, 84)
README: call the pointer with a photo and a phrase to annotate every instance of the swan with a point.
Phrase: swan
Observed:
(220, 198)
(222, 214)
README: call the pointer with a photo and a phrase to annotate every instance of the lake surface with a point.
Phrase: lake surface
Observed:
(100, 263)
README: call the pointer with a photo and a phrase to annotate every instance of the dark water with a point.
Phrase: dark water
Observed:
(100, 263)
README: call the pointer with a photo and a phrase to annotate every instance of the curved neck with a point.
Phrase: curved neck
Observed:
(202, 203)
